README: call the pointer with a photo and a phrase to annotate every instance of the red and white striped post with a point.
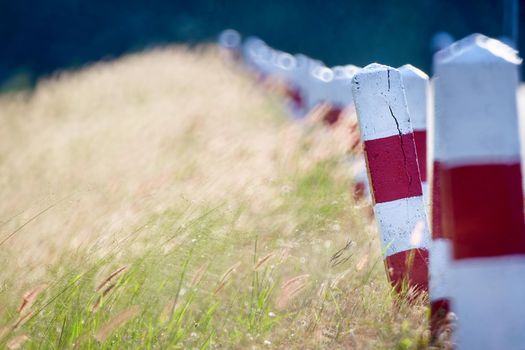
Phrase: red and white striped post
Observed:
(330, 86)
(440, 247)
(441, 244)
(415, 83)
(391, 158)
(320, 92)
(416, 89)
(478, 152)
(339, 98)
(320, 78)
(286, 70)
(303, 77)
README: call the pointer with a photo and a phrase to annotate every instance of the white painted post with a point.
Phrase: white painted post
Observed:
(331, 86)
(478, 156)
(230, 41)
(440, 246)
(320, 79)
(340, 88)
(342, 85)
(394, 175)
(415, 83)
(303, 77)
(285, 70)
(257, 55)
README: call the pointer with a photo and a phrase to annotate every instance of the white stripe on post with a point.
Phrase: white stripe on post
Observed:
(393, 171)
(478, 156)
(395, 218)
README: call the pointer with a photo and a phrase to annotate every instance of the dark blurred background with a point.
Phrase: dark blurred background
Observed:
(40, 37)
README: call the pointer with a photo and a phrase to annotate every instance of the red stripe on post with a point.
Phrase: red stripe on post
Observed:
(393, 169)
(482, 208)
(437, 227)
(420, 138)
(408, 266)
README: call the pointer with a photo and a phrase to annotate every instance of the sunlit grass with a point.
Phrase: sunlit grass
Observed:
(163, 201)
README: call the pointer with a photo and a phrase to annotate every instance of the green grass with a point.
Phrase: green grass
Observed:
(237, 308)
(296, 265)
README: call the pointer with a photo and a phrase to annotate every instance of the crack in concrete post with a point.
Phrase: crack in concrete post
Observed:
(409, 178)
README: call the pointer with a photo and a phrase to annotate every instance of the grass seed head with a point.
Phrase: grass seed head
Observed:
(104, 293)
(5, 331)
(22, 319)
(338, 278)
(110, 277)
(30, 296)
(226, 276)
(361, 263)
(17, 342)
(198, 275)
(290, 289)
(168, 310)
(121, 318)
(262, 261)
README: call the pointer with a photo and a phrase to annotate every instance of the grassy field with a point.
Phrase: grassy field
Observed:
(163, 200)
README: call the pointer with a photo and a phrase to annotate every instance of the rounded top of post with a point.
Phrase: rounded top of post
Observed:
(378, 75)
(253, 42)
(286, 61)
(229, 38)
(321, 78)
(408, 71)
(252, 48)
(380, 101)
(263, 58)
(345, 72)
(302, 60)
(323, 73)
(340, 86)
(415, 83)
(374, 68)
(305, 62)
(352, 70)
(339, 72)
(477, 48)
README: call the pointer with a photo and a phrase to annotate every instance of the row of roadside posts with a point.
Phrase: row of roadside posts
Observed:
(462, 240)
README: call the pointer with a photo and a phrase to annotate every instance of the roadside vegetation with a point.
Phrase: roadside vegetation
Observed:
(163, 200)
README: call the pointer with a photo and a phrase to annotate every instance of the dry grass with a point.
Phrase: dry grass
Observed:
(119, 140)
(178, 167)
